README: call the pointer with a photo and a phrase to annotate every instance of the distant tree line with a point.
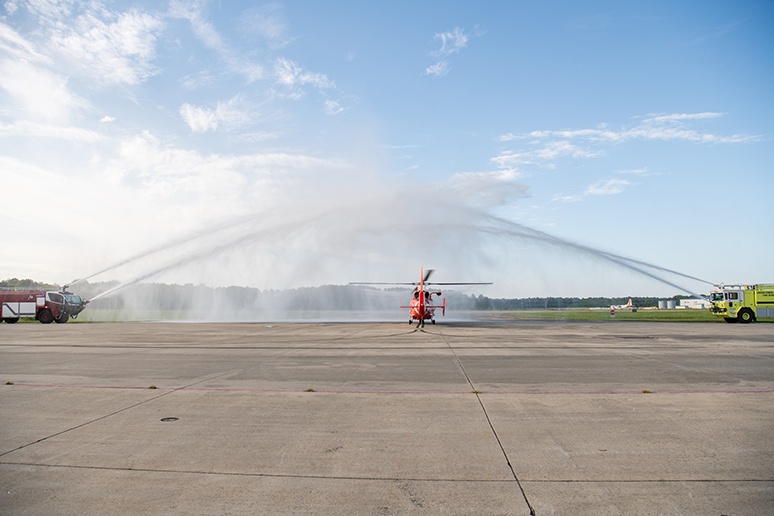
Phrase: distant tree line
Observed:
(547, 303)
(161, 296)
(27, 284)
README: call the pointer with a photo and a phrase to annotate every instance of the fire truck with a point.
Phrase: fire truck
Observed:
(46, 306)
(742, 303)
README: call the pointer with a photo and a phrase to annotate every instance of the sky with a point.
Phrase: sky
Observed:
(552, 148)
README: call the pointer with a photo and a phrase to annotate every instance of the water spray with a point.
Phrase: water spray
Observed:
(345, 224)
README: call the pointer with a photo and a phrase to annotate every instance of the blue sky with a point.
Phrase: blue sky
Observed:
(357, 141)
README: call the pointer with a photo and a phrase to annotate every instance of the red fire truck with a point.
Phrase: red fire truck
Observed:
(46, 306)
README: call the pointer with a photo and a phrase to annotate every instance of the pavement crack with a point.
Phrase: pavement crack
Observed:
(259, 474)
(76, 427)
(489, 422)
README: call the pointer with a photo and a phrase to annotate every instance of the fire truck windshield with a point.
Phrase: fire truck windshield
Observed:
(717, 296)
(73, 299)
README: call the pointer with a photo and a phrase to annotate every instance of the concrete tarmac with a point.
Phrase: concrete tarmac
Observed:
(382, 418)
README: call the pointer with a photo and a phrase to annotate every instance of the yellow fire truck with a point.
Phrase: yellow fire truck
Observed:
(742, 303)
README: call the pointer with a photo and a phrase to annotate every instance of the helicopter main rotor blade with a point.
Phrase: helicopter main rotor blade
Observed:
(415, 283)
(427, 275)
(435, 283)
(373, 283)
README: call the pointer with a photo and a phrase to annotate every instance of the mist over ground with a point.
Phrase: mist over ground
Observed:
(158, 301)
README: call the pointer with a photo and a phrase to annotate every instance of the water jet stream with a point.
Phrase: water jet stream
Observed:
(357, 225)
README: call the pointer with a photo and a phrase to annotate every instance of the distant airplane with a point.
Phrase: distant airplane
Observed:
(628, 305)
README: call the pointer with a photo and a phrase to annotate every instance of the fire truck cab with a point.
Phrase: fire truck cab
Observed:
(742, 303)
(46, 306)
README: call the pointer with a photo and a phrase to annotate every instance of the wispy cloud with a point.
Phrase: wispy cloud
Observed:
(333, 107)
(545, 148)
(111, 47)
(36, 92)
(439, 69)
(225, 115)
(35, 130)
(294, 81)
(544, 154)
(610, 186)
(267, 22)
(15, 45)
(30, 87)
(452, 42)
(651, 127)
(234, 62)
(607, 187)
(290, 74)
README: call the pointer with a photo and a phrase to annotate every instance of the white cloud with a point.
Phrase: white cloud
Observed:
(544, 155)
(290, 74)
(198, 80)
(226, 115)
(674, 117)
(545, 148)
(119, 49)
(668, 127)
(11, 6)
(439, 69)
(204, 30)
(268, 22)
(51, 10)
(452, 42)
(611, 186)
(607, 187)
(333, 107)
(15, 45)
(35, 130)
(36, 92)
(183, 176)
(567, 198)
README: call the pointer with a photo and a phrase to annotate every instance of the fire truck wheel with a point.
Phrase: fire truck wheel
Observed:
(45, 317)
(745, 316)
(63, 319)
(11, 321)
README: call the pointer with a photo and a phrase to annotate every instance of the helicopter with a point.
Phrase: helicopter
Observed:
(421, 306)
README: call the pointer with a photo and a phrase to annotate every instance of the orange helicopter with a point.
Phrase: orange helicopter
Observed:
(422, 307)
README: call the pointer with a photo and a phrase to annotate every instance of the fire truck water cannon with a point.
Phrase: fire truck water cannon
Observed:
(46, 306)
